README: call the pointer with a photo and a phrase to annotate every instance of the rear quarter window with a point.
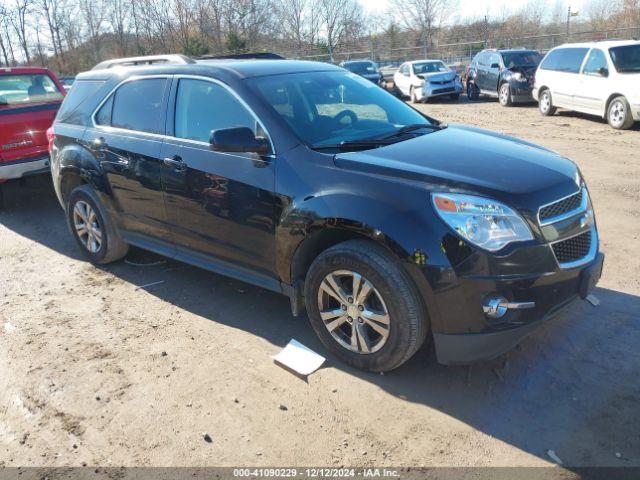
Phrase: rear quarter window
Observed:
(81, 91)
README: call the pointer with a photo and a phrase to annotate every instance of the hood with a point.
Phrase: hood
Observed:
(526, 71)
(472, 160)
(438, 76)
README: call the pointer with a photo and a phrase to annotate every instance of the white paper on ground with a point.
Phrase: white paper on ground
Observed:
(299, 358)
(593, 300)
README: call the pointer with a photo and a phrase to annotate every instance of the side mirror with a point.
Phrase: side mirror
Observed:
(603, 72)
(238, 139)
(495, 65)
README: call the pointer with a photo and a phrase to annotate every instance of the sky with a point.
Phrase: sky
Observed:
(470, 8)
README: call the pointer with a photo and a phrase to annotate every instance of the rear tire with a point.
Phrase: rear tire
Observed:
(504, 95)
(619, 114)
(92, 228)
(545, 103)
(382, 290)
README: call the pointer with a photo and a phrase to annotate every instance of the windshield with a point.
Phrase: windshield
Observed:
(327, 108)
(27, 89)
(429, 67)
(627, 58)
(361, 68)
(521, 59)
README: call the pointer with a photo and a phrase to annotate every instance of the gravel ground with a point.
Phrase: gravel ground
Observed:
(95, 371)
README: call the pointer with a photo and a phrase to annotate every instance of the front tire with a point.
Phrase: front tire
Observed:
(364, 307)
(413, 95)
(473, 92)
(504, 95)
(619, 114)
(92, 228)
(545, 104)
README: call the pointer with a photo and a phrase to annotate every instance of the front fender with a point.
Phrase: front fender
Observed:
(406, 232)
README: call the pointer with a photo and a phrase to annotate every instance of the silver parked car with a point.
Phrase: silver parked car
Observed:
(424, 79)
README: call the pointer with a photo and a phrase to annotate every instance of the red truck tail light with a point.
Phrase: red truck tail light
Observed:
(51, 136)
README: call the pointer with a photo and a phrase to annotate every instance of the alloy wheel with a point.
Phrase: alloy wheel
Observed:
(353, 312)
(87, 226)
(504, 94)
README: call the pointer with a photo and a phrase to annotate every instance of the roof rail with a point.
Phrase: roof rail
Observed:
(244, 56)
(145, 60)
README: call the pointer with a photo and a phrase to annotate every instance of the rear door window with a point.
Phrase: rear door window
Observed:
(137, 105)
(595, 63)
(26, 89)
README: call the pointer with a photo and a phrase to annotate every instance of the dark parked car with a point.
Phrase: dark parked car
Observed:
(67, 82)
(387, 225)
(365, 68)
(506, 74)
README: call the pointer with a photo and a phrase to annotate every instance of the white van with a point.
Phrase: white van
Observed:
(599, 78)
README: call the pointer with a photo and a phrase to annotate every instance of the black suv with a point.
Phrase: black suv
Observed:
(302, 178)
(506, 74)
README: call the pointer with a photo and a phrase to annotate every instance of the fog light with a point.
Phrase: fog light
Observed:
(495, 307)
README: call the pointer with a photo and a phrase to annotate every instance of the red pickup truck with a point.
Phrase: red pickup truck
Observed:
(29, 100)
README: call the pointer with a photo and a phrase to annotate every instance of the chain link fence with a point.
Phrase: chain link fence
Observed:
(457, 53)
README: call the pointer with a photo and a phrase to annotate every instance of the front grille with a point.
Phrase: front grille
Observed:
(563, 206)
(443, 90)
(573, 248)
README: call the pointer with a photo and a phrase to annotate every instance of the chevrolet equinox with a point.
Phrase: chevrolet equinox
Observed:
(388, 226)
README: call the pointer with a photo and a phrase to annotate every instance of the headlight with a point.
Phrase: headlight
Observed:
(519, 77)
(483, 222)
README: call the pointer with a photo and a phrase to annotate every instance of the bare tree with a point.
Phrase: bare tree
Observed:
(118, 19)
(338, 17)
(424, 16)
(18, 20)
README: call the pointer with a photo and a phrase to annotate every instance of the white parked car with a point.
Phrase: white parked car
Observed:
(599, 78)
(424, 79)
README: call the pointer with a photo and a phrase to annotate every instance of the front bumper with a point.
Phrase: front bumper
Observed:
(635, 110)
(551, 294)
(430, 90)
(24, 167)
(521, 92)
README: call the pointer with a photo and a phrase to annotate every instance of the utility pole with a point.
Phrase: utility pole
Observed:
(424, 45)
(486, 32)
(569, 15)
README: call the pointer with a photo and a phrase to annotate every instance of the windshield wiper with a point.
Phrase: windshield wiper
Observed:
(354, 144)
(413, 127)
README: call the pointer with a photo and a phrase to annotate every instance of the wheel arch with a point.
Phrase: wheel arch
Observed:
(77, 166)
(607, 104)
(328, 232)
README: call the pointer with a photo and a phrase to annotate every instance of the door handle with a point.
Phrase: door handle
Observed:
(175, 162)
